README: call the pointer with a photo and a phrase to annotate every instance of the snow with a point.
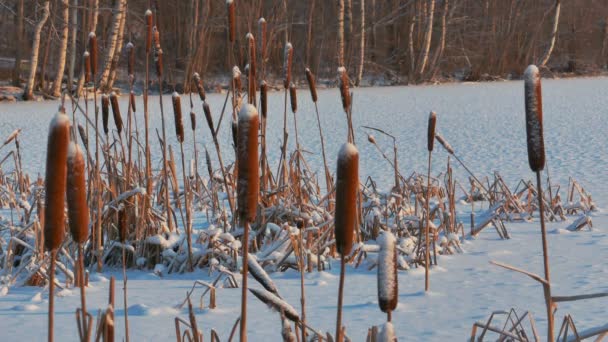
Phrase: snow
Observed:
(347, 152)
(483, 122)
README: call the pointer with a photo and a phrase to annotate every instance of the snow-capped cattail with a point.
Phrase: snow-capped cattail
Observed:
(248, 186)
(312, 85)
(156, 37)
(387, 272)
(130, 48)
(132, 101)
(116, 112)
(78, 211)
(93, 52)
(86, 61)
(149, 25)
(199, 86)
(56, 179)
(431, 131)
(347, 187)
(534, 119)
(122, 224)
(252, 55)
(387, 333)
(444, 143)
(83, 136)
(264, 98)
(344, 88)
(177, 115)
(236, 79)
(105, 112)
(193, 121)
(208, 117)
(287, 64)
(293, 98)
(231, 20)
(262, 35)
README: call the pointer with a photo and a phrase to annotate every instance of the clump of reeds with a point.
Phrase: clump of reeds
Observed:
(347, 189)
(55, 192)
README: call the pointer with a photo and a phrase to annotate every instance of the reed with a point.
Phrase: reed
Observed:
(252, 68)
(149, 24)
(130, 49)
(263, 39)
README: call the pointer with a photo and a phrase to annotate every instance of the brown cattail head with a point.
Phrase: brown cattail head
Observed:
(287, 64)
(231, 20)
(123, 224)
(199, 85)
(149, 25)
(116, 112)
(344, 88)
(312, 85)
(78, 211)
(262, 36)
(158, 62)
(431, 131)
(208, 117)
(247, 152)
(86, 61)
(156, 37)
(193, 121)
(177, 114)
(132, 101)
(130, 48)
(236, 79)
(83, 136)
(347, 187)
(444, 143)
(252, 55)
(105, 112)
(388, 286)
(56, 179)
(293, 98)
(93, 52)
(235, 133)
(264, 99)
(534, 119)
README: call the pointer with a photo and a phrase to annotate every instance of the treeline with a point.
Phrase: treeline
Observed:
(394, 41)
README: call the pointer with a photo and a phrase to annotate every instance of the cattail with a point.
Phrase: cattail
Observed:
(116, 111)
(264, 98)
(78, 211)
(156, 37)
(347, 186)
(193, 121)
(534, 119)
(208, 117)
(293, 98)
(431, 130)
(231, 20)
(247, 151)
(55, 183)
(262, 36)
(149, 25)
(122, 224)
(252, 55)
(177, 114)
(132, 101)
(371, 139)
(236, 78)
(86, 61)
(93, 52)
(158, 52)
(344, 88)
(287, 64)
(83, 136)
(235, 133)
(130, 58)
(444, 143)
(199, 86)
(387, 272)
(310, 78)
(105, 112)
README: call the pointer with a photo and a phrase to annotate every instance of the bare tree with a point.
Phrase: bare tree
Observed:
(28, 93)
(340, 16)
(119, 43)
(63, 48)
(362, 50)
(424, 55)
(72, 65)
(111, 49)
(19, 45)
(547, 55)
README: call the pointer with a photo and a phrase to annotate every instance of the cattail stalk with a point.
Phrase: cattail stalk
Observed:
(55, 183)
(148, 166)
(347, 188)
(430, 143)
(287, 66)
(312, 85)
(247, 190)
(230, 6)
(536, 159)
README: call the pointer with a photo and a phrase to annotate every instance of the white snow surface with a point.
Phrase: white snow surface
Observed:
(485, 124)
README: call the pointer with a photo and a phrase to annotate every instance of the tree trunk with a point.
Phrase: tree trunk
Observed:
(192, 39)
(63, 48)
(94, 15)
(373, 37)
(19, 45)
(73, 43)
(362, 51)
(28, 94)
(411, 46)
(547, 55)
(604, 58)
(119, 42)
(439, 54)
(311, 10)
(424, 55)
(113, 43)
(348, 34)
(340, 32)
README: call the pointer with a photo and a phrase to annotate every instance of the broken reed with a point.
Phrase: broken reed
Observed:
(55, 191)
(347, 188)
